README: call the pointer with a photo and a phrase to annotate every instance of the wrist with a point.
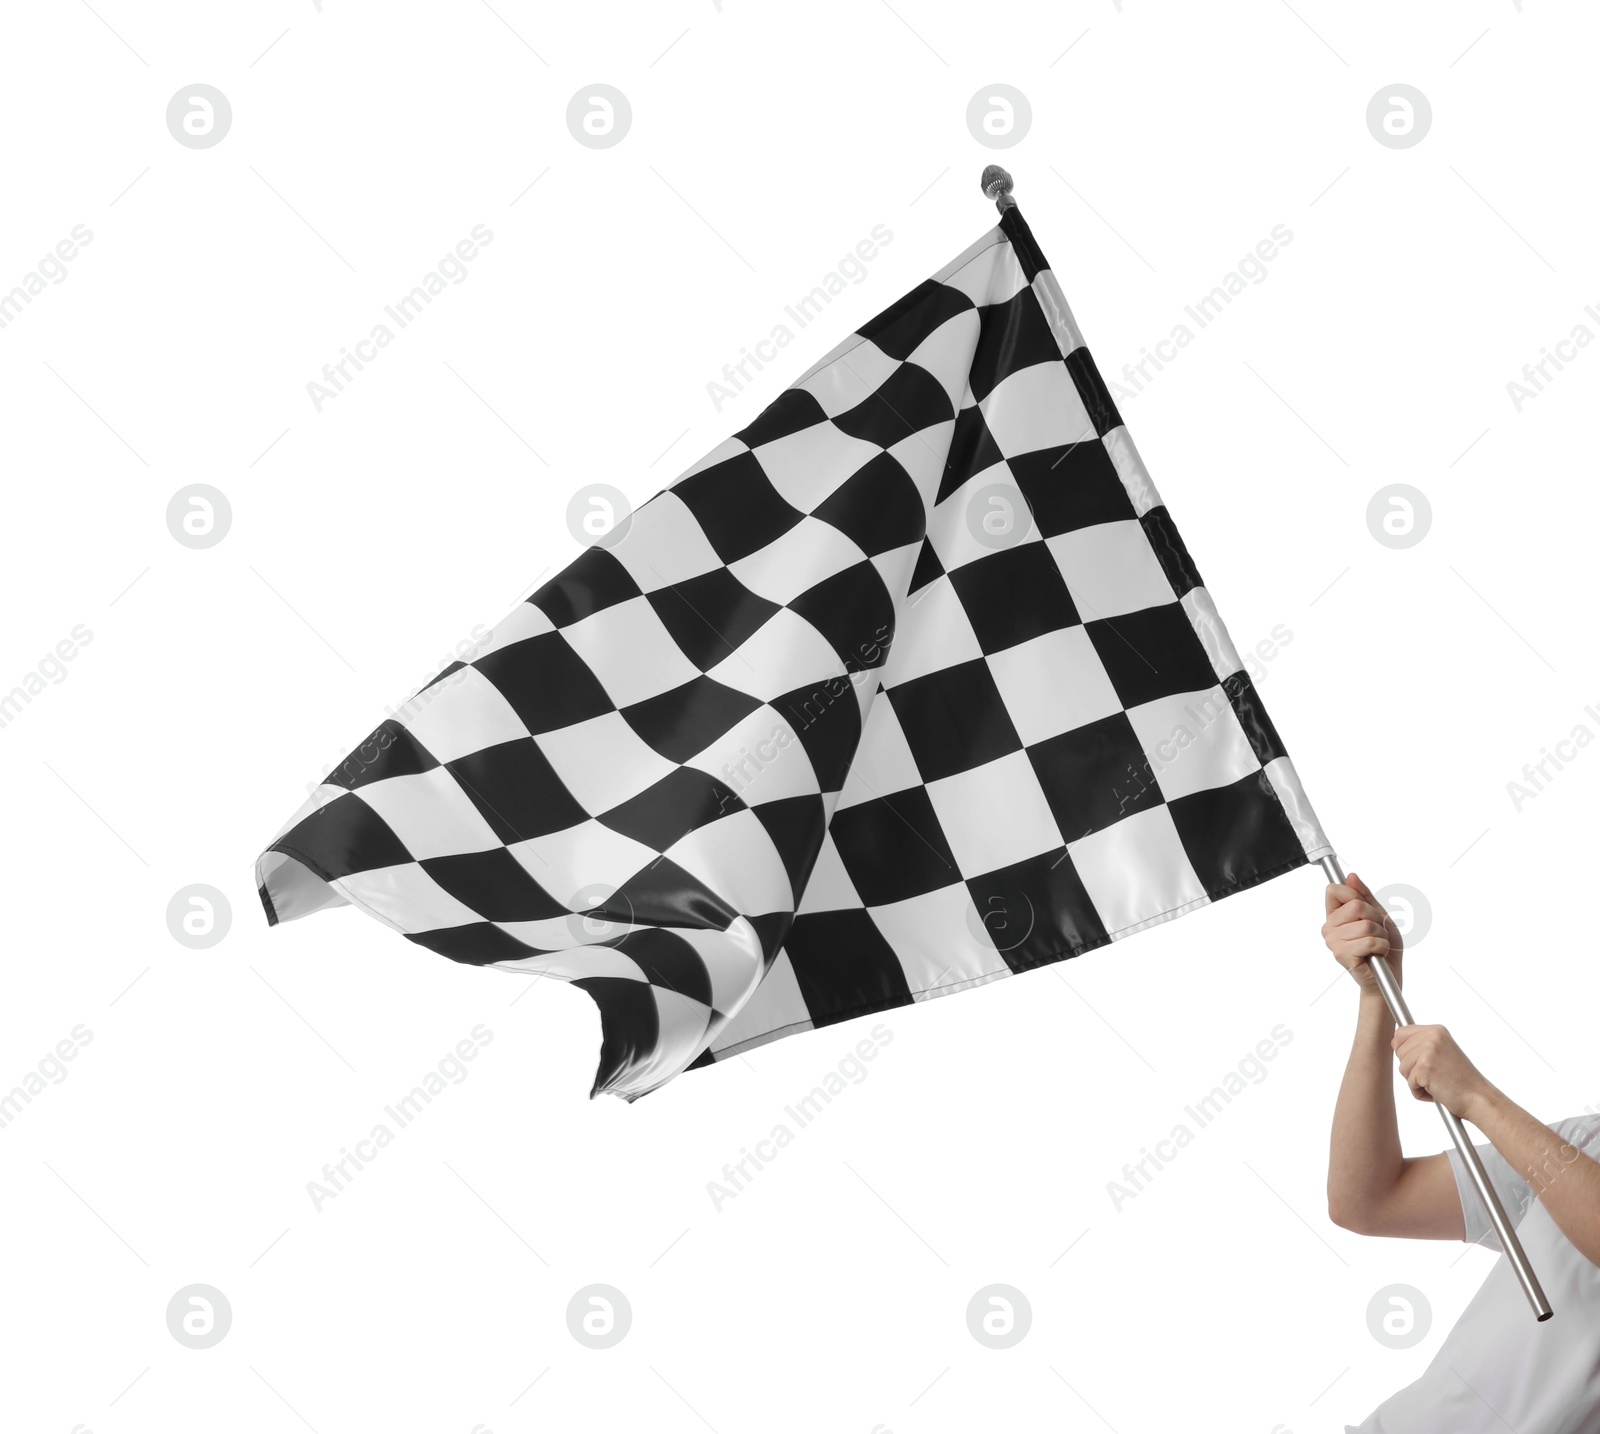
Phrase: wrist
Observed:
(1482, 1104)
(1372, 1002)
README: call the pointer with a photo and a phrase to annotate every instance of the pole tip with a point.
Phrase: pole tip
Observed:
(996, 184)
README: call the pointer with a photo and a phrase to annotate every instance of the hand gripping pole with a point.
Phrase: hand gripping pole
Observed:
(1512, 1246)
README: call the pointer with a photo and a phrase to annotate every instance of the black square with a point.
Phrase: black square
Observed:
(630, 1025)
(1258, 728)
(791, 411)
(954, 719)
(844, 967)
(494, 884)
(1151, 653)
(906, 402)
(1093, 391)
(668, 961)
(1094, 775)
(1023, 244)
(688, 719)
(854, 611)
(1038, 911)
(736, 506)
(517, 790)
(1072, 486)
(900, 328)
(343, 837)
(878, 508)
(592, 581)
(796, 826)
(1237, 835)
(927, 569)
(478, 943)
(1168, 545)
(711, 615)
(893, 847)
(1014, 335)
(671, 808)
(1014, 595)
(547, 684)
(664, 894)
(826, 717)
(972, 449)
(389, 751)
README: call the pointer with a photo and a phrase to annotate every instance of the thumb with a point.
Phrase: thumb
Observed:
(1361, 888)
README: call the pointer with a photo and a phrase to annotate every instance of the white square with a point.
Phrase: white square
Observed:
(830, 887)
(664, 544)
(883, 762)
(994, 815)
(1053, 683)
(785, 652)
(1136, 871)
(1036, 407)
(989, 503)
(947, 352)
(989, 273)
(775, 1009)
(925, 453)
(761, 757)
(523, 621)
(630, 651)
(733, 960)
(1194, 742)
(1130, 468)
(937, 940)
(1111, 569)
(736, 858)
(463, 714)
(1213, 634)
(430, 814)
(798, 560)
(570, 864)
(850, 379)
(728, 448)
(895, 567)
(807, 466)
(934, 633)
(560, 933)
(603, 761)
(406, 897)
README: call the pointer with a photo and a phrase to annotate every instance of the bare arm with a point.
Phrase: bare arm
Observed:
(1566, 1181)
(1372, 1188)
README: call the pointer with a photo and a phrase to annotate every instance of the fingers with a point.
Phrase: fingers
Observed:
(1365, 947)
(1355, 939)
(1356, 910)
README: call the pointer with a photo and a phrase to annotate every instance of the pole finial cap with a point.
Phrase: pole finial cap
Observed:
(996, 184)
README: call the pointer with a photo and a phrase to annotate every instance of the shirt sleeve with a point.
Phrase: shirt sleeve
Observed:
(1582, 1132)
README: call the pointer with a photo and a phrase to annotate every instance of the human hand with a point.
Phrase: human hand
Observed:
(1437, 1069)
(1357, 929)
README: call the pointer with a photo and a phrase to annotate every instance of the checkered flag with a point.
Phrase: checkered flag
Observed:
(909, 686)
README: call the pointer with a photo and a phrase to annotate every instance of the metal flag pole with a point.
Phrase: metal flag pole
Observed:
(1396, 1002)
(997, 185)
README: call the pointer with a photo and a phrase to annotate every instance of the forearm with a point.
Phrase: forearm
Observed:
(1364, 1159)
(1566, 1180)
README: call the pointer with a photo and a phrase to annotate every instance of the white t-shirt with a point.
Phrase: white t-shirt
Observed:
(1499, 1368)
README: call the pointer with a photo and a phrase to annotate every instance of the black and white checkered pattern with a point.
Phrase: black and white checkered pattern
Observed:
(908, 686)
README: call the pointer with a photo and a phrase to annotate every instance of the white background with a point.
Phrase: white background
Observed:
(368, 539)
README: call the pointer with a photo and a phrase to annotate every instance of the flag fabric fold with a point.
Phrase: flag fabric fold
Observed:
(908, 686)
